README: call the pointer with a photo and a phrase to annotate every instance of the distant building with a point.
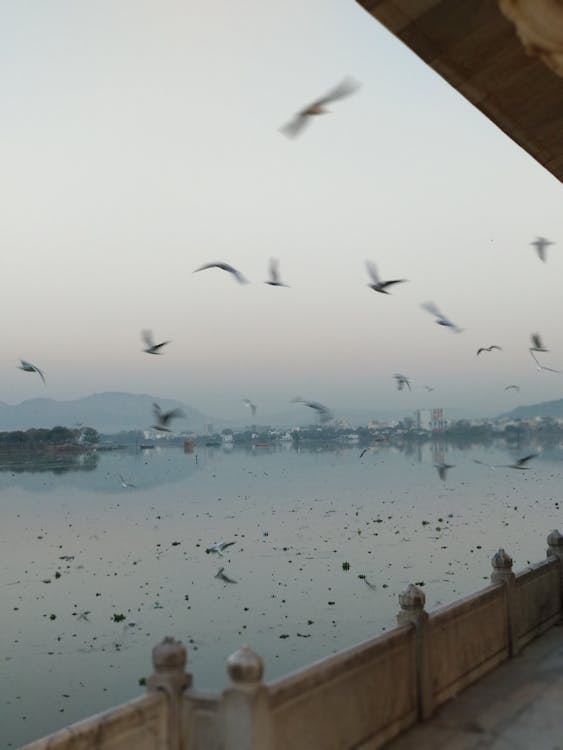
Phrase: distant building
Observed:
(430, 419)
(424, 419)
(438, 422)
(208, 429)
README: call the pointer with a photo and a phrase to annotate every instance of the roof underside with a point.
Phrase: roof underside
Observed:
(475, 48)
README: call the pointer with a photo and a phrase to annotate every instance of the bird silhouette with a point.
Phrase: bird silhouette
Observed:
(224, 267)
(519, 464)
(274, 279)
(218, 548)
(441, 319)
(295, 126)
(151, 347)
(512, 387)
(488, 349)
(541, 244)
(28, 367)
(163, 418)
(323, 412)
(124, 483)
(402, 380)
(443, 469)
(250, 405)
(223, 577)
(376, 284)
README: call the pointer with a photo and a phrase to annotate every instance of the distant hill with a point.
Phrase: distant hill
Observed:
(543, 409)
(105, 412)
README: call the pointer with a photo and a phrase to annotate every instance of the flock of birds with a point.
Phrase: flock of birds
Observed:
(292, 129)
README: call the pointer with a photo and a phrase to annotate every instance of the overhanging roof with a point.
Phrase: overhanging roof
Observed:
(475, 48)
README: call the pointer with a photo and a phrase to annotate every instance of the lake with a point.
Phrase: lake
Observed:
(94, 574)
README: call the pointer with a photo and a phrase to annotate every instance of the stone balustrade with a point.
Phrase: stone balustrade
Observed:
(359, 698)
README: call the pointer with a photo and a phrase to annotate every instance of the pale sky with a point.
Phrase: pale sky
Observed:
(141, 139)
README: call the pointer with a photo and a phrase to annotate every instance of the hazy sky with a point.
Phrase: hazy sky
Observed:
(141, 139)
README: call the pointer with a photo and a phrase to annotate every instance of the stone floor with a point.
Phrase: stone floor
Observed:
(519, 706)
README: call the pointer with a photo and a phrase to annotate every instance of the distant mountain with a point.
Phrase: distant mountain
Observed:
(543, 409)
(105, 412)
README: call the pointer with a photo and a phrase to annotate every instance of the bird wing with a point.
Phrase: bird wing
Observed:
(224, 545)
(292, 128)
(385, 284)
(40, 373)
(172, 414)
(224, 267)
(494, 346)
(525, 459)
(146, 335)
(372, 271)
(345, 88)
(432, 309)
(159, 346)
(482, 349)
(157, 411)
(536, 341)
(274, 270)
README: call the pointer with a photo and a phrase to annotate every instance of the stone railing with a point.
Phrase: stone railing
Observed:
(359, 698)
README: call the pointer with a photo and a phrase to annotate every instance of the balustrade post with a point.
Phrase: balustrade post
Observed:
(169, 660)
(412, 602)
(555, 549)
(502, 573)
(245, 711)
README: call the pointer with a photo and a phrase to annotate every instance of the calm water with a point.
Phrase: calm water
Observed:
(296, 517)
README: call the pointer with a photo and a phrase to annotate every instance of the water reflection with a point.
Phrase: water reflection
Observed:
(93, 573)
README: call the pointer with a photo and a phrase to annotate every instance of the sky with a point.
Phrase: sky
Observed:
(141, 139)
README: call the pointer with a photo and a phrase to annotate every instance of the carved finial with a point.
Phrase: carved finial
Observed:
(169, 656)
(245, 666)
(555, 539)
(539, 25)
(412, 598)
(501, 561)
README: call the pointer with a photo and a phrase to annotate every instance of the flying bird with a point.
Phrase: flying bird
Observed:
(488, 349)
(537, 343)
(402, 381)
(376, 284)
(124, 483)
(223, 577)
(250, 405)
(537, 346)
(28, 367)
(294, 127)
(443, 469)
(512, 387)
(430, 388)
(519, 464)
(441, 319)
(541, 244)
(218, 548)
(224, 267)
(274, 279)
(163, 418)
(152, 348)
(323, 412)
(363, 453)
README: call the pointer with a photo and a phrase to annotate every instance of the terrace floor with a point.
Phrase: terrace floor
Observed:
(518, 706)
